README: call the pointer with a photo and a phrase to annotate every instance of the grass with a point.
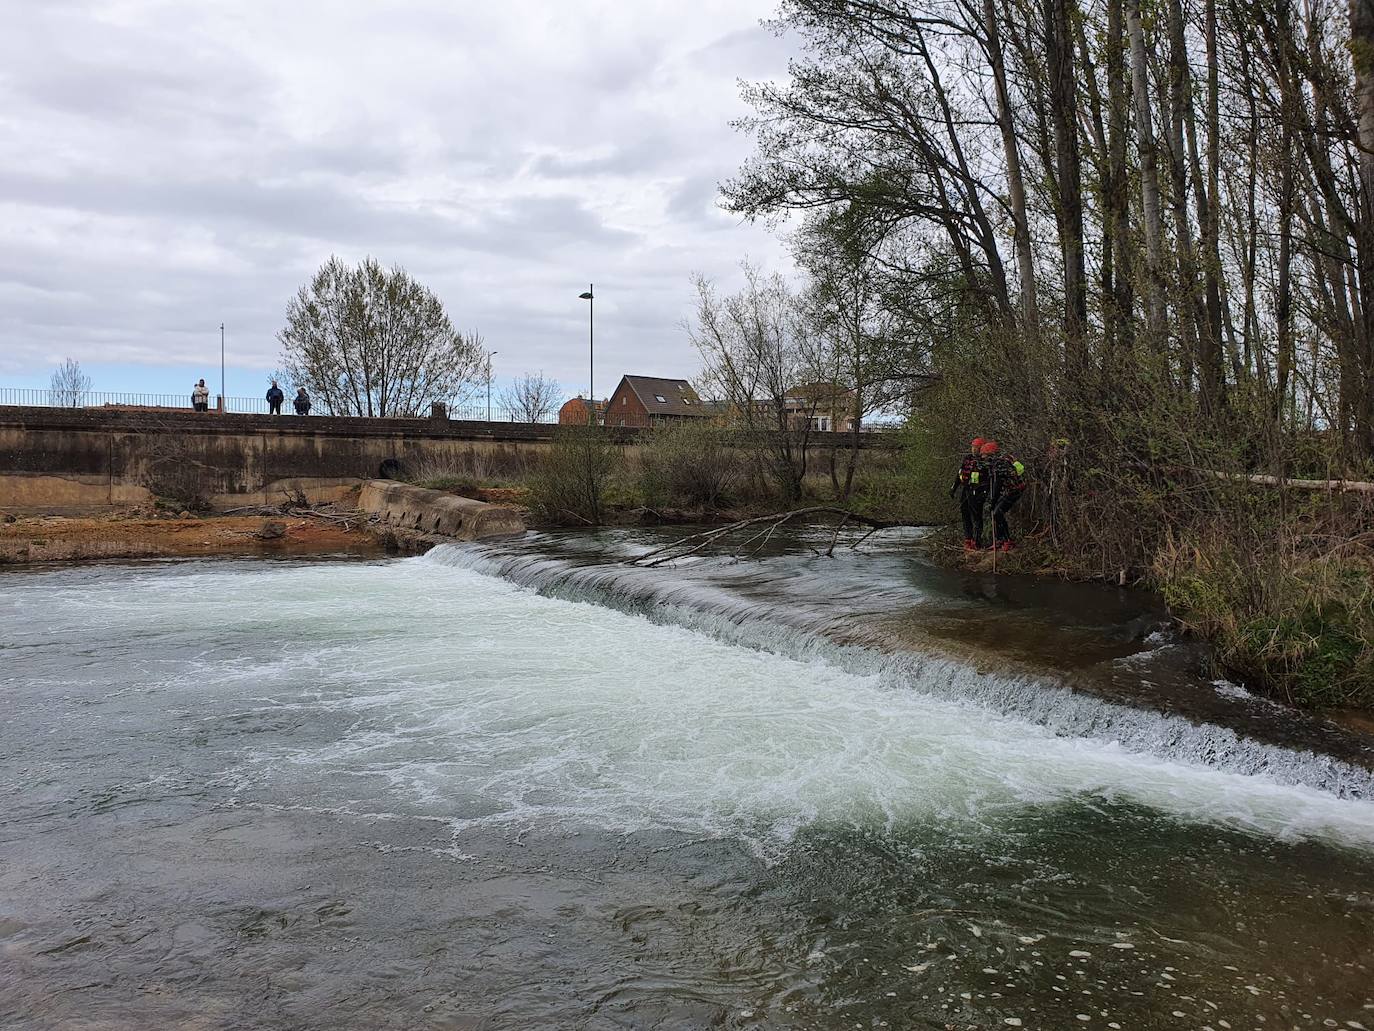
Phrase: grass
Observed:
(1297, 622)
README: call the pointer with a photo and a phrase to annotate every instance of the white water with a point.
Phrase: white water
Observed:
(476, 702)
(805, 630)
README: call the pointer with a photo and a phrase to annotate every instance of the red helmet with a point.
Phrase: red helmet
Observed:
(989, 448)
(977, 443)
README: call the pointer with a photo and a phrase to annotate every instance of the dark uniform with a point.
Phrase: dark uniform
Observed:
(274, 399)
(1008, 483)
(971, 487)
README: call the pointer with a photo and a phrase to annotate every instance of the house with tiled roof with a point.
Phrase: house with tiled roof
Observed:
(652, 400)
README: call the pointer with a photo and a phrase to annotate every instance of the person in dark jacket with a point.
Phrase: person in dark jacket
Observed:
(1007, 482)
(302, 402)
(274, 398)
(971, 488)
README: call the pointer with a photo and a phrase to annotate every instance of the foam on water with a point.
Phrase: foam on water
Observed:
(465, 698)
(804, 632)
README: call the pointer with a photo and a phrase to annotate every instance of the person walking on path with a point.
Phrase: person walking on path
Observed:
(971, 487)
(274, 398)
(1007, 478)
(302, 402)
(200, 397)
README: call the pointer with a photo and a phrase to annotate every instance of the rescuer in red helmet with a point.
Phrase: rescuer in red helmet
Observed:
(971, 487)
(1007, 482)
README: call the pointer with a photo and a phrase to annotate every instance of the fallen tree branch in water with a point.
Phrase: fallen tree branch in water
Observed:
(830, 551)
(693, 543)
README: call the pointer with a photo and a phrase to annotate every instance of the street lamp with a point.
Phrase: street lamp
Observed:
(490, 355)
(590, 298)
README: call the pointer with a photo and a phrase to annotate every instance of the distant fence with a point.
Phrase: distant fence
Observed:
(87, 399)
(38, 398)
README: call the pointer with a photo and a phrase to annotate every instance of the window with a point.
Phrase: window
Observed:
(625, 399)
(660, 399)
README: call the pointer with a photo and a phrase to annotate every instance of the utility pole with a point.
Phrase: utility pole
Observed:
(490, 355)
(590, 298)
(223, 401)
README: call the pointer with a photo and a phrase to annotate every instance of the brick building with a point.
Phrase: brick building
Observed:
(828, 407)
(575, 412)
(651, 401)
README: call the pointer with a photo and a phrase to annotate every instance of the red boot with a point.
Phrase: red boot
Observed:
(970, 544)
(1006, 546)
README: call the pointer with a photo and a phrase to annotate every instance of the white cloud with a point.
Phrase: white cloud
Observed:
(173, 165)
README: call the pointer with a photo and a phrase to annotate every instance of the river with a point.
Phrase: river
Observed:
(525, 785)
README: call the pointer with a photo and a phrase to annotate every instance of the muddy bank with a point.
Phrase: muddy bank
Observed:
(1036, 563)
(127, 535)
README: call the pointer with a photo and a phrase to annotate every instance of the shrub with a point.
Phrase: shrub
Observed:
(462, 472)
(569, 484)
(1295, 620)
(695, 464)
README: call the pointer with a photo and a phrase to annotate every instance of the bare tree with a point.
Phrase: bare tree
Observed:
(371, 341)
(757, 349)
(1207, 163)
(70, 385)
(531, 398)
(867, 366)
(1016, 189)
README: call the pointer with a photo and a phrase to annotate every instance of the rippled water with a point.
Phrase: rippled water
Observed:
(521, 787)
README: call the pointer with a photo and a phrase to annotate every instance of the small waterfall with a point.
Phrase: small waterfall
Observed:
(814, 631)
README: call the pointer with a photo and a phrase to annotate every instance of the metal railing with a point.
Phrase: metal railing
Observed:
(25, 397)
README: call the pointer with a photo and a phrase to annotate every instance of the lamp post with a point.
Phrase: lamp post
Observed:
(223, 401)
(490, 355)
(590, 298)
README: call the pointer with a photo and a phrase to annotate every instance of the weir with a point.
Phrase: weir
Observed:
(1241, 735)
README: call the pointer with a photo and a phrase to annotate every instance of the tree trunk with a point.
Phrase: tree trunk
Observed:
(1283, 302)
(1362, 55)
(1064, 116)
(1016, 188)
(1213, 376)
(1149, 179)
(1206, 190)
(1118, 186)
(1189, 319)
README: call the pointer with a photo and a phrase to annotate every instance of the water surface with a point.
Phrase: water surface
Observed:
(521, 786)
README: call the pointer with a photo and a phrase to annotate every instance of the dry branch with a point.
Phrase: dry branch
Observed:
(1264, 479)
(695, 542)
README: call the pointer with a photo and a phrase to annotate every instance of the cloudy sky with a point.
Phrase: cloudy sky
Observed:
(171, 166)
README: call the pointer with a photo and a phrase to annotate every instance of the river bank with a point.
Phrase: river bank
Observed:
(1303, 649)
(137, 534)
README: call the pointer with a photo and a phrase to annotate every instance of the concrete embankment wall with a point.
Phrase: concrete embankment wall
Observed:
(408, 507)
(86, 459)
(59, 460)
